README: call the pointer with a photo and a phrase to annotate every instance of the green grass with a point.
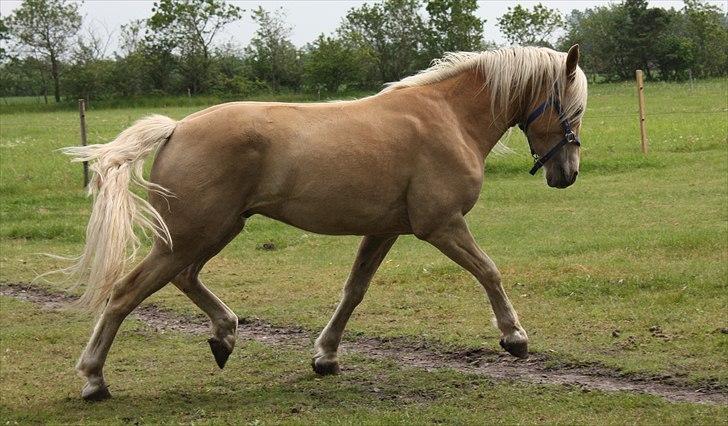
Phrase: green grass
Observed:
(171, 378)
(637, 242)
(26, 104)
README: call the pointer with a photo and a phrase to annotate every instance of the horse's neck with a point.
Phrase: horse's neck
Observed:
(478, 115)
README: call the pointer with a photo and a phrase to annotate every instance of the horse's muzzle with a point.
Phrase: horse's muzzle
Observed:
(561, 179)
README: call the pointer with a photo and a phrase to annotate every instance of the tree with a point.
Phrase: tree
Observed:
(20, 77)
(4, 39)
(665, 43)
(272, 56)
(390, 32)
(91, 45)
(190, 27)
(90, 69)
(453, 27)
(330, 62)
(642, 28)
(144, 64)
(231, 72)
(526, 27)
(707, 28)
(45, 27)
(131, 38)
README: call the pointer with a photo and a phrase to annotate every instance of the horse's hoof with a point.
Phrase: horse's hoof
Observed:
(220, 351)
(517, 349)
(95, 392)
(324, 367)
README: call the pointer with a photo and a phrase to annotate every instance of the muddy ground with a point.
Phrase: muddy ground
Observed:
(419, 354)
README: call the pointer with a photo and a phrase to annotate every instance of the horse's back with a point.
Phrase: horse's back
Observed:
(288, 161)
(334, 168)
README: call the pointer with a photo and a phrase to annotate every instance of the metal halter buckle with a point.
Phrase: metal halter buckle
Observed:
(571, 137)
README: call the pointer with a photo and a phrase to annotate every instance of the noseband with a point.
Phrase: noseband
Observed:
(569, 135)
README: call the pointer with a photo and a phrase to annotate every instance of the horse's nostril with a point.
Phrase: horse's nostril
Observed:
(576, 173)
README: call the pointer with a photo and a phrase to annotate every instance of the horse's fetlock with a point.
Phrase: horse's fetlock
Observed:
(229, 323)
(517, 336)
(325, 344)
(325, 364)
(87, 368)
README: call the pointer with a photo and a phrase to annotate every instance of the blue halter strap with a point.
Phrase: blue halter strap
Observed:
(569, 135)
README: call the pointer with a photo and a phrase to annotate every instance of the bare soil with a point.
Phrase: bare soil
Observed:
(420, 354)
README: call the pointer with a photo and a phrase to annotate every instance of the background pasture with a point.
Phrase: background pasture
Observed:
(628, 268)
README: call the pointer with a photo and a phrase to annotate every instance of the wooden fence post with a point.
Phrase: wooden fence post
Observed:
(82, 116)
(641, 96)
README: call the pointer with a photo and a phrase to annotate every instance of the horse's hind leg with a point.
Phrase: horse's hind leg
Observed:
(153, 273)
(371, 253)
(224, 321)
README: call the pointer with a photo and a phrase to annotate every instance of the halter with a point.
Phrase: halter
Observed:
(569, 135)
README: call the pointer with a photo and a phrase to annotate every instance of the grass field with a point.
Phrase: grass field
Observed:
(25, 104)
(639, 244)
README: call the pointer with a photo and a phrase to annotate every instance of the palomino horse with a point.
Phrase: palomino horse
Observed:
(408, 160)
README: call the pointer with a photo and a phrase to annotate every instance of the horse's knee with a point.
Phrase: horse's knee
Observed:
(490, 276)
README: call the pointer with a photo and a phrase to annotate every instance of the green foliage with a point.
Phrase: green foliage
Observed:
(4, 38)
(390, 32)
(45, 28)
(230, 74)
(90, 80)
(665, 43)
(272, 56)
(453, 27)
(89, 73)
(190, 27)
(707, 28)
(175, 51)
(330, 62)
(526, 27)
(20, 77)
(639, 30)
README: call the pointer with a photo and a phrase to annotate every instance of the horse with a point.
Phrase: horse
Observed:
(407, 160)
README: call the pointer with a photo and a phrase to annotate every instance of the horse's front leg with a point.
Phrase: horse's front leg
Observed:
(371, 253)
(455, 240)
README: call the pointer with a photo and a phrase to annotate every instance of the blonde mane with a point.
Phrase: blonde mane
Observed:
(516, 74)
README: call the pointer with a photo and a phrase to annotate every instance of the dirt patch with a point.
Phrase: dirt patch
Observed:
(418, 354)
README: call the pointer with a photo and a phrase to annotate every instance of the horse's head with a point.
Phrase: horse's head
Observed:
(552, 126)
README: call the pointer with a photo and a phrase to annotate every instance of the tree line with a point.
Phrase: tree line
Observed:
(45, 51)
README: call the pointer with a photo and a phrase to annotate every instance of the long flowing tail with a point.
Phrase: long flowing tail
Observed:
(110, 239)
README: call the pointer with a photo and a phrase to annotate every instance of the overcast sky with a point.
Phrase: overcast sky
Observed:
(308, 18)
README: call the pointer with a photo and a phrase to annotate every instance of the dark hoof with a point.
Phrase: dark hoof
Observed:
(219, 351)
(518, 350)
(95, 393)
(325, 368)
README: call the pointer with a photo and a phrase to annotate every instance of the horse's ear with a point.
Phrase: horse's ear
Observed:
(572, 59)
